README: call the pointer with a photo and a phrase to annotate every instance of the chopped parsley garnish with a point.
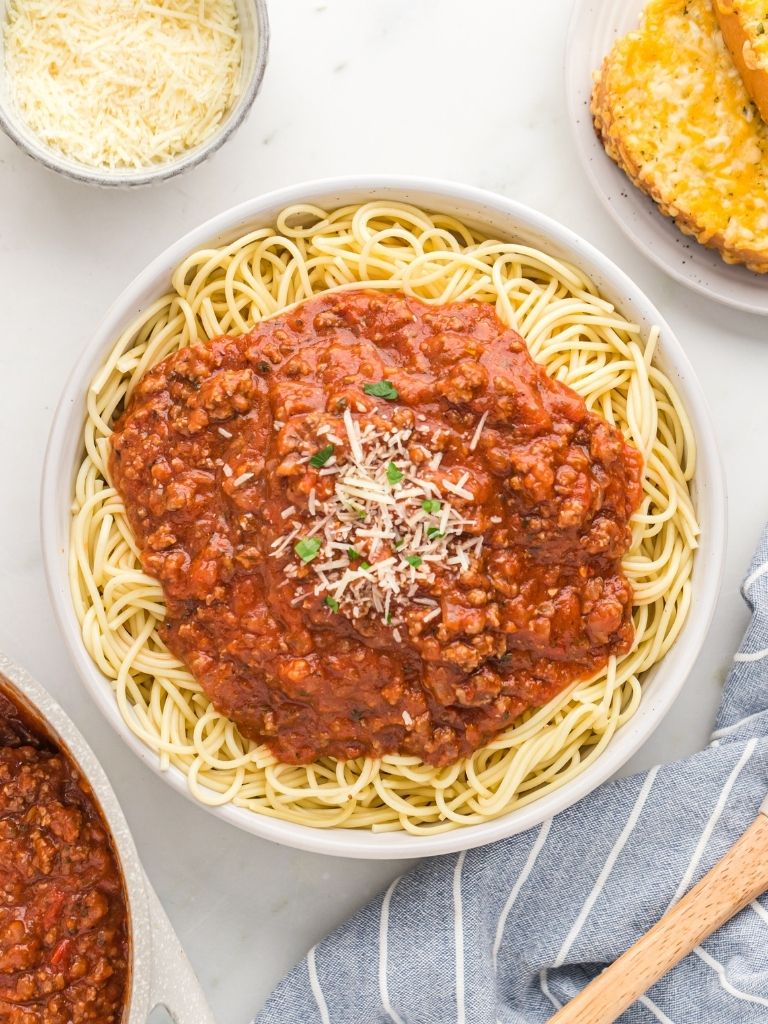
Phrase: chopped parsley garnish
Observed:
(374, 536)
(308, 548)
(264, 367)
(320, 458)
(381, 389)
(394, 475)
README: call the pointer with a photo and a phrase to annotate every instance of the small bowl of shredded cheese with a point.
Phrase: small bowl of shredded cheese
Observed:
(128, 92)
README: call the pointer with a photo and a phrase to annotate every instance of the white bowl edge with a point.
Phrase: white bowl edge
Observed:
(482, 208)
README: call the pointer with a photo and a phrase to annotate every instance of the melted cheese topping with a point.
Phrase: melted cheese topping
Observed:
(123, 83)
(680, 115)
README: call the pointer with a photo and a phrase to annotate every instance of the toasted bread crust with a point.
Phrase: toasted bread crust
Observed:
(616, 146)
(738, 39)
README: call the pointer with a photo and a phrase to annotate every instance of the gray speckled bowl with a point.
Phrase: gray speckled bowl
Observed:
(255, 29)
(160, 975)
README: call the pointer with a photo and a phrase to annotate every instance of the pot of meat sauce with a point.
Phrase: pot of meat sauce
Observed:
(83, 936)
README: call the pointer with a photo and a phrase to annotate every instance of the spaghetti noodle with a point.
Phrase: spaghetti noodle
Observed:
(579, 338)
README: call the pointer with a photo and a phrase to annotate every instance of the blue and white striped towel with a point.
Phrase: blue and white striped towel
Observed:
(508, 933)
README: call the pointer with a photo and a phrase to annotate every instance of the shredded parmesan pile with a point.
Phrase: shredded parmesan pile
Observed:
(123, 83)
(386, 530)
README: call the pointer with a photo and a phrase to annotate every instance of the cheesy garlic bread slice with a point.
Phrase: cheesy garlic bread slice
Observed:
(744, 24)
(671, 109)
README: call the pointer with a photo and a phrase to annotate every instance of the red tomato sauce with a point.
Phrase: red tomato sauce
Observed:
(63, 921)
(213, 458)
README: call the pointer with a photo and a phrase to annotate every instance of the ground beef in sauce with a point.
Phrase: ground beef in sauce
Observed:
(213, 448)
(63, 926)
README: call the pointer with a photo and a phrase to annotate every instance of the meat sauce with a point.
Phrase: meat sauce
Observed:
(212, 458)
(63, 922)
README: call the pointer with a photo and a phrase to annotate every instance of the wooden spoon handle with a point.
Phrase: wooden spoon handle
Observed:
(735, 881)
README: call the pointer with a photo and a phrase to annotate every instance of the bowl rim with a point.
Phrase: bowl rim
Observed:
(162, 172)
(63, 448)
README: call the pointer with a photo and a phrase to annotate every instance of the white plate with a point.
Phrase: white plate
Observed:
(595, 25)
(500, 218)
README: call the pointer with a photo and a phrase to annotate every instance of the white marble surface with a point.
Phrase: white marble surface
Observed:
(392, 86)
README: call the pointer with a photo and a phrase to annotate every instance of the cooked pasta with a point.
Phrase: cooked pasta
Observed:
(570, 329)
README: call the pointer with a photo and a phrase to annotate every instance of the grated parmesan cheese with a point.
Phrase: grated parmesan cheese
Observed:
(478, 431)
(123, 83)
(385, 531)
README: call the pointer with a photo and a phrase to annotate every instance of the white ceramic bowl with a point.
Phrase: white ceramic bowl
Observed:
(499, 217)
(595, 26)
(160, 974)
(254, 25)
